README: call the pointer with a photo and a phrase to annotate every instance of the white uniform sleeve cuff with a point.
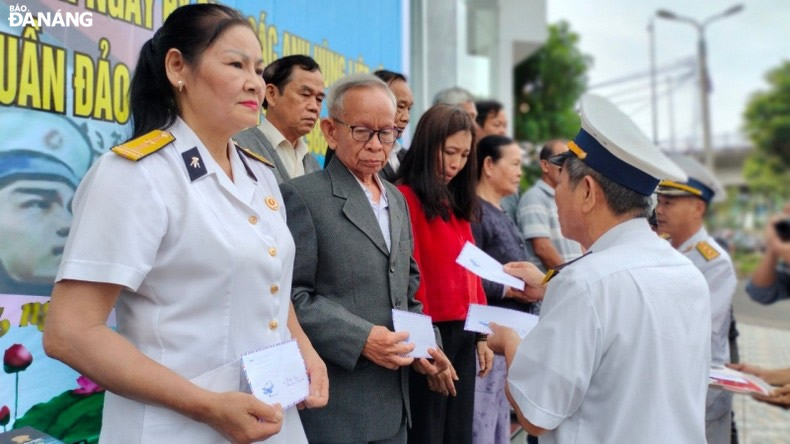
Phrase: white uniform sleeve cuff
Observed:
(100, 272)
(533, 413)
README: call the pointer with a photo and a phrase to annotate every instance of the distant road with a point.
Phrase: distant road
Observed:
(749, 312)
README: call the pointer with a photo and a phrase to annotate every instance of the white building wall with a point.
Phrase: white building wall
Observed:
(474, 44)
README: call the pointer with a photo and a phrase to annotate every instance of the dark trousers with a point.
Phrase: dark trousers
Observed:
(439, 419)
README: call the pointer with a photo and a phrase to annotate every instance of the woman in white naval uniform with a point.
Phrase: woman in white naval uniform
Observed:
(184, 233)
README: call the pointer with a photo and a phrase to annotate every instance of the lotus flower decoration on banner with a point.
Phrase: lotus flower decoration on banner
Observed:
(16, 359)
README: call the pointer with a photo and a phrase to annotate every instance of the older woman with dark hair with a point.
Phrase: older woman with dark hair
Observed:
(438, 182)
(184, 234)
(499, 173)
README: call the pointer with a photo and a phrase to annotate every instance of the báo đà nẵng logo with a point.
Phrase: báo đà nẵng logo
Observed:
(20, 16)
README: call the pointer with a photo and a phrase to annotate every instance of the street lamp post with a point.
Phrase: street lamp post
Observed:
(653, 105)
(704, 85)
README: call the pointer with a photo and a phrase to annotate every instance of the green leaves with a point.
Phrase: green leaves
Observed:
(767, 123)
(547, 86)
(68, 416)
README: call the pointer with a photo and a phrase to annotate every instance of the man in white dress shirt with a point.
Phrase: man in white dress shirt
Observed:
(680, 213)
(621, 352)
(294, 94)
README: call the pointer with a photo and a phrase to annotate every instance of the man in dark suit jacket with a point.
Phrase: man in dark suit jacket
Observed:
(404, 99)
(353, 266)
(294, 93)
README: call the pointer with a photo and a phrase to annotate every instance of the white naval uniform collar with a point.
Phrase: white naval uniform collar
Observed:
(620, 232)
(699, 236)
(242, 186)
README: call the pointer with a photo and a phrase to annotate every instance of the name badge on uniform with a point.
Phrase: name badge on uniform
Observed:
(194, 163)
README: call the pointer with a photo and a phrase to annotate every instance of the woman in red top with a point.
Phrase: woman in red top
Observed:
(439, 186)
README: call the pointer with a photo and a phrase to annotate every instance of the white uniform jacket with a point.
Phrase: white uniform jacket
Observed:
(206, 265)
(622, 349)
(720, 275)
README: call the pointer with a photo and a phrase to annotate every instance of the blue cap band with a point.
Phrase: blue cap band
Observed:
(35, 165)
(707, 193)
(611, 167)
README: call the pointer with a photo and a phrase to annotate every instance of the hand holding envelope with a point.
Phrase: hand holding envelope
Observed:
(532, 277)
(514, 275)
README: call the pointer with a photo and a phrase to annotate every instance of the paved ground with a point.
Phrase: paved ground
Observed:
(749, 312)
(757, 422)
(764, 340)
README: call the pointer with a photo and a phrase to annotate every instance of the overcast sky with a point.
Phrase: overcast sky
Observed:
(741, 48)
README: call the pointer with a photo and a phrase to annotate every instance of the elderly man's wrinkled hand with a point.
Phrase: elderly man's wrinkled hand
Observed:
(430, 367)
(387, 348)
(443, 382)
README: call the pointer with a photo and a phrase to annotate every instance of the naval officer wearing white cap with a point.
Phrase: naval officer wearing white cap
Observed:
(680, 213)
(622, 348)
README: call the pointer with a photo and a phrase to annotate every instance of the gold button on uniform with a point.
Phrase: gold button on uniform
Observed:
(272, 251)
(272, 203)
(275, 288)
(253, 220)
(273, 324)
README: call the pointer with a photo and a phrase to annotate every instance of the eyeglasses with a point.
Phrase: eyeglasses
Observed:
(364, 134)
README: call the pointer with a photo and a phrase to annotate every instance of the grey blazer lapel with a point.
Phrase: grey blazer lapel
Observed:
(396, 220)
(357, 208)
(279, 169)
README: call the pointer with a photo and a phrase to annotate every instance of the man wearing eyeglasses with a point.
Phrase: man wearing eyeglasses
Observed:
(538, 219)
(353, 266)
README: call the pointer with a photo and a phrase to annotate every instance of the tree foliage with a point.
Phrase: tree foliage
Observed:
(767, 123)
(547, 86)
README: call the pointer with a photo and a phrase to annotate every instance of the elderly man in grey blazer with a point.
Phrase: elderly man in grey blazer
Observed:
(353, 266)
(294, 93)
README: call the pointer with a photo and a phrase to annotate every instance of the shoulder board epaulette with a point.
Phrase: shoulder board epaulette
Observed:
(250, 153)
(144, 145)
(552, 272)
(707, 251)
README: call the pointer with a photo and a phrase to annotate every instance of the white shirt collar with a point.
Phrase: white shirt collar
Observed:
(697, 237)
(277, 139)
(367, 192)
(619, 232)
(292, 158)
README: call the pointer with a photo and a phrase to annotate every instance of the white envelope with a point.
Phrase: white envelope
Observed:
(277, 374)
(480, 263)
(480, 316)
(420, 329)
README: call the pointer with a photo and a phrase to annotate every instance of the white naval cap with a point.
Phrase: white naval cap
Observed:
(611, 144)
(701, 181)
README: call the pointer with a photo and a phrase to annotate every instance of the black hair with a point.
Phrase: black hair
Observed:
(548, 149)
(421, 165)
(389, 76)
(279, 72)
(486, 108)
(490, 146)
(190, 29)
